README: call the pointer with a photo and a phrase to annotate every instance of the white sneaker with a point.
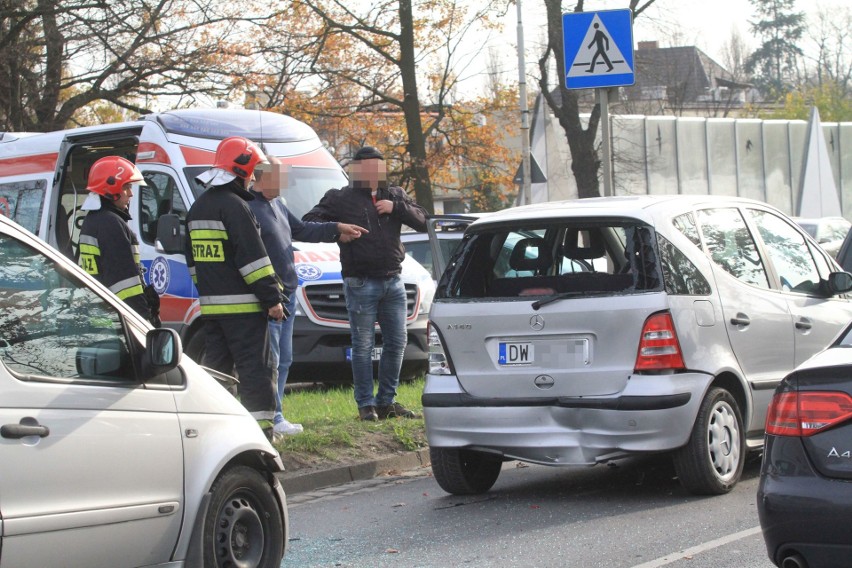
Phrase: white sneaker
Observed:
(287, 428)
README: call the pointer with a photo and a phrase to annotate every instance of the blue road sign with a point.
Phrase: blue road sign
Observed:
(598, 49)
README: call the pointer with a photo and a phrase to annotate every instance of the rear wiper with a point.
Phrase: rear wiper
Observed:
(560, 296)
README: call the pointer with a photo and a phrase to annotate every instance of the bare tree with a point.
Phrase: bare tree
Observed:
(832, 34)
(564, 102)
(57, 57)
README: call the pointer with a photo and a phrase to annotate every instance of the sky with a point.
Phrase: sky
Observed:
(706, 24)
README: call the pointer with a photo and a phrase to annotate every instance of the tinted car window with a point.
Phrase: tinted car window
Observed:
(788, 251)
(680, 275)
(731, 245)
(51, 325)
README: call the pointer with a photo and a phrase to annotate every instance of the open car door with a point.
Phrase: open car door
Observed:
(445, 233)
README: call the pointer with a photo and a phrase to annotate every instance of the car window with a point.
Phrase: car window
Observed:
(421, 251)
(731, 245)
(788, 252)
(52, 325)
(22, 201)
(556, 256)
(833, 230)
(159, 197)
(686, 224)
(680, 275)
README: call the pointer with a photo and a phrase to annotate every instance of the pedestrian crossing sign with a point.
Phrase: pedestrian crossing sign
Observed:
(598, 49)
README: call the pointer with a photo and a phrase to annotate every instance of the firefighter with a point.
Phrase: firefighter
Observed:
(109, 250)
(237, 285)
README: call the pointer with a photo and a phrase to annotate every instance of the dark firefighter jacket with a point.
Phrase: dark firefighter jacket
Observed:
(226, 257)
(379, 253)
(109, 251)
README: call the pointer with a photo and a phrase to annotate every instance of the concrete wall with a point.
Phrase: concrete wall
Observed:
(759, 159)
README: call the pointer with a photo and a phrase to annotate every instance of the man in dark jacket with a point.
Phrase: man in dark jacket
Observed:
(237, 286)
(278, 228)
(109, 250)
(371, 266)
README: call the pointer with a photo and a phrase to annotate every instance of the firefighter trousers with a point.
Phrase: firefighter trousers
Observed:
(241, 342)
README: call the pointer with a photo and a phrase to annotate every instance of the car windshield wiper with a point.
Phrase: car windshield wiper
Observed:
(560, 296)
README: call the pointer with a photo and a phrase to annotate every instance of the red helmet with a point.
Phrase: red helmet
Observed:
(108, 175)
(239, 156)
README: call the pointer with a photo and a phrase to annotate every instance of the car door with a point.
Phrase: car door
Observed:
(92, 460)
(757, 318)
(799, 268)
(439, 253)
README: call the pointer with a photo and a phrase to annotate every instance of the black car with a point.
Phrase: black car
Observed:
(804, 499)
(844, 255)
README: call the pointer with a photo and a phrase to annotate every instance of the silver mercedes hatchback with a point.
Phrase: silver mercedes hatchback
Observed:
(585, 331)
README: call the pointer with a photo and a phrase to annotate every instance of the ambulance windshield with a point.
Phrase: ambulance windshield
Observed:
(304, 187)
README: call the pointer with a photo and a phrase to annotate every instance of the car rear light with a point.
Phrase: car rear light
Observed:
(659, 348)
(807, 413)
(438, 362)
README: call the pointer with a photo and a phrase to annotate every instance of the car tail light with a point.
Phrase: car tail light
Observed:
(438, 362)
(806, 413)
(659, 348)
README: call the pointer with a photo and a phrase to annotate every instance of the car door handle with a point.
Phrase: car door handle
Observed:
(27, 427)
(804, 325)
(740, 319)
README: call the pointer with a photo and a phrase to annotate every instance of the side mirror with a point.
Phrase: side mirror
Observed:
(162, 352)
(169, 236)
(839, 282)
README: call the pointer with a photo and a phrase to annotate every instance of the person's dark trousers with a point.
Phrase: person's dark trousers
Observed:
(241, 342)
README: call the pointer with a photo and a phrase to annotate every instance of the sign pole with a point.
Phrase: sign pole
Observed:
(598, 54)
(526, 172)
(606, 169)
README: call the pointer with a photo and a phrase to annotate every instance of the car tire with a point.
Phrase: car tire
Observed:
(243, 525)
(711, 462)
(464, 472)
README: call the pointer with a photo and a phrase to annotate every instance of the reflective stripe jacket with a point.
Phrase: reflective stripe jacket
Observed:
(226, 257)
(109, 251)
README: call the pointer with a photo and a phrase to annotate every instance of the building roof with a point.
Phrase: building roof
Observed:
(680, 75)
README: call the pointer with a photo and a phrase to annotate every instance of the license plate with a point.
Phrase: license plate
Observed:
(376, 355)
(515, 354)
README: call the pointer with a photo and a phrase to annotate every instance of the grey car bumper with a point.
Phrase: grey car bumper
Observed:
(648, 416)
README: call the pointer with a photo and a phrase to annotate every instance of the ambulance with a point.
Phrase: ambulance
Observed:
(43, 186)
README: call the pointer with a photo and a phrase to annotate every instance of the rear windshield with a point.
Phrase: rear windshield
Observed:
(565, 257)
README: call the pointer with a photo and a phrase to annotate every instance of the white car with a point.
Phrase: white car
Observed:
(114, 449)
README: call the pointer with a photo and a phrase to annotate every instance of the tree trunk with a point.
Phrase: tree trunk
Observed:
(585, 162)
(46, 110)
(411, 110)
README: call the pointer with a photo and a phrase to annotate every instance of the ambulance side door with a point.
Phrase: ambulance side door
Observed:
(163, 194)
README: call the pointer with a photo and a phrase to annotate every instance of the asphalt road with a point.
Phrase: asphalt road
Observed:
(630, 515)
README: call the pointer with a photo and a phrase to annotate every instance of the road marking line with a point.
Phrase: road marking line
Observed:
(671, 558)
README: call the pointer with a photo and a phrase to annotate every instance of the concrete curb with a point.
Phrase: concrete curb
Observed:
(301, 483)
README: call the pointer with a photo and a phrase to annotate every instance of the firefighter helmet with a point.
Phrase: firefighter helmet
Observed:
(239, 156)
(110, 174)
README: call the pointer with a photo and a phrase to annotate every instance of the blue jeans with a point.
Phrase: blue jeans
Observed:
(371, 300)
(281, 353)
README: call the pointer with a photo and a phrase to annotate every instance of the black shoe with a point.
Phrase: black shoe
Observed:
(368, 413)
(395, 410)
